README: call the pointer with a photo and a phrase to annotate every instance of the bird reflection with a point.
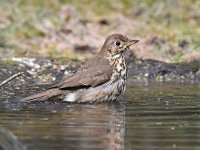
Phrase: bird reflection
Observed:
(83, 126)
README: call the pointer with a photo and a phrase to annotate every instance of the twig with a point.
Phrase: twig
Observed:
(11, 78)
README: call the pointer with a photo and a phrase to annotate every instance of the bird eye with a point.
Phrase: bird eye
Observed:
(117, 43)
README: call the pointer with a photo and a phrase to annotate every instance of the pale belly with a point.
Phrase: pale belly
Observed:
(105, 92)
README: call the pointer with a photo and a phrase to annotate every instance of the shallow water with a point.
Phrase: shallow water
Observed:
(157, 116)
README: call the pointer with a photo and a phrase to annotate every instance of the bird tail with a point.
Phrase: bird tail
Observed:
(42, 95)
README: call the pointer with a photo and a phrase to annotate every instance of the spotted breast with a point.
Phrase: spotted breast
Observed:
(107, 92)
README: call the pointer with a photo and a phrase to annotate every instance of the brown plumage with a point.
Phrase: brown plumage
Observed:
(93, 73)
(103, 78)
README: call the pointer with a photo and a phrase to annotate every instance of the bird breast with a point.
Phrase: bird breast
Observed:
(119, 74)
(108, 91)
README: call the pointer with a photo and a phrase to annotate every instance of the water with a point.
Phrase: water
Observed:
(157, 116)
(163, 116)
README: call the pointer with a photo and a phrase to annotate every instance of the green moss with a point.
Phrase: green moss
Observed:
(25, 16)
(171, 20)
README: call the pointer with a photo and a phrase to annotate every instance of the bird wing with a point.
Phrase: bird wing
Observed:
(90, 75)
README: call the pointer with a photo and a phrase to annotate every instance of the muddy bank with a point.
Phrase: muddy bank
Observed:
(160, 71)
(46, 70)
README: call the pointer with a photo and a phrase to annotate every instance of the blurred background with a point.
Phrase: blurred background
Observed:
(169, 30)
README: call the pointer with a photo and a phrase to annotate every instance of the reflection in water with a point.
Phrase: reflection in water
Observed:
(163, 116)
(68, 126)
(8, 141)
(157, 116)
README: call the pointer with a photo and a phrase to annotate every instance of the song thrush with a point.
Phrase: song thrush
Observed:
(101, 79)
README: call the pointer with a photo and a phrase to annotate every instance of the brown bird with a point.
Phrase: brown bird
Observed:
(101, 79)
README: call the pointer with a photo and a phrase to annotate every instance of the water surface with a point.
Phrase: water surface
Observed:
(150, 116)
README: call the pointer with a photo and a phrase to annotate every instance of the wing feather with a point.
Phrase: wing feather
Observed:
(92, 74)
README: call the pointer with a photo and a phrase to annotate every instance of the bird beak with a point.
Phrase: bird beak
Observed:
(131, 42)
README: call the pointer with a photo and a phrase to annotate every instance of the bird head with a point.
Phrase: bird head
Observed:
(117, 44)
